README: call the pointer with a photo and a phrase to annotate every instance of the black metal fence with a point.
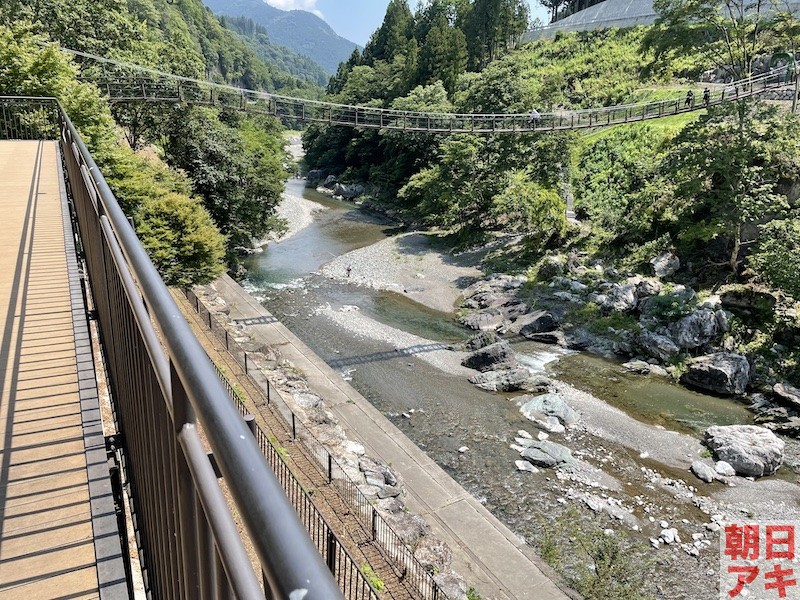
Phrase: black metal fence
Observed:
(165, 392)
(398, 553)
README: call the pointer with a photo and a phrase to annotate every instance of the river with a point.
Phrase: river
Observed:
(442, 412)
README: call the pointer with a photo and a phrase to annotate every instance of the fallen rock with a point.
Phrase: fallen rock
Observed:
(703, 471)
(696, 329)
(433, 554)
(722, 372)
(507, 380)
(648, 287)
(637, 366)
(665, 265)
(491, 358)
(549, 337)
(725, 469)
(787, 395)
(551, 405)
(752, 451)
(547, 454)
(524, 465)
(621, 298)
(535, 322)
(488, 320)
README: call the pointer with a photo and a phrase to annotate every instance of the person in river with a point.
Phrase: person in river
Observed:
(347, 270)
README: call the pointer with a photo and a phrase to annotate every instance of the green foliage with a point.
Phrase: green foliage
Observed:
(28, 68)
(373, 578)
(235, 168)
(472, 594)
(777, 258)
(524, 206)
(668, 307)
(181, 239)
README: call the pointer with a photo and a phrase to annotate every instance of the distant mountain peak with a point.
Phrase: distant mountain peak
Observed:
(299, 30)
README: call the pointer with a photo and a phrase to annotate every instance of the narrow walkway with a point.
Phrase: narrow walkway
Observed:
(485, 551)
(57, 524)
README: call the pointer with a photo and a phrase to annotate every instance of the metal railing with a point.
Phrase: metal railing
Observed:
(165, 394)
(394, 548)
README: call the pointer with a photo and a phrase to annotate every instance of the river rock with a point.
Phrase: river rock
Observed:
(491, 358)
(658, 346)
(525, 466)
(787, 395)
(483, 339)
(696, 329)
(433, 554)
(330, 181)
(551, 405)
(648, 287)
(722, 373)
(548, 337)
(703, 471)
(486, 320)
(723, 320)
(535, 322)
(665, 265)
(725, 469)
(621, 298)
(638, 367)
(752, 451)
(506, 380)
(547, 454)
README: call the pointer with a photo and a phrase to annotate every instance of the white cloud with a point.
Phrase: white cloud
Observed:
(308, 5)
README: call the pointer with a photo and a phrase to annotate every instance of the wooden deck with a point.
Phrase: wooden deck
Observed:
(57, 525)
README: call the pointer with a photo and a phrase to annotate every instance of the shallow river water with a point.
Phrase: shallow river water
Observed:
(447, 412)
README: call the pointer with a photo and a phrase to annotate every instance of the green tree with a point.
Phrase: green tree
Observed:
(526, 207)
(726, 171)
(181, 239)
(777, 257)
(393, 35)
(444, 55)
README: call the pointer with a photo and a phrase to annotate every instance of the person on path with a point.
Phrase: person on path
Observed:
(689, 99)
(706, 96)
(347, 270)
(534, 117)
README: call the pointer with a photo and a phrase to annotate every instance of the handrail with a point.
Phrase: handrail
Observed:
(291, 563)
(195, 546)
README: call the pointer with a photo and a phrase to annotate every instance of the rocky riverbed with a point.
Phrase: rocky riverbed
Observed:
(608, 474)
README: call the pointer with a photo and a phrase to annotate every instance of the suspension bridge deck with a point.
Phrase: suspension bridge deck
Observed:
(58, 529)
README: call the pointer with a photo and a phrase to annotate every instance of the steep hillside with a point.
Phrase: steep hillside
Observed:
(257, 37)
(298, 30)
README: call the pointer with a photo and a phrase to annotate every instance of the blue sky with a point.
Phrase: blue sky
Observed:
(357, 19)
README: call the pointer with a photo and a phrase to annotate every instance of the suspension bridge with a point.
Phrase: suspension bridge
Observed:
(124, 82)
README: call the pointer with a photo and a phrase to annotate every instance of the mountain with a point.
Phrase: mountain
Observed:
(256, 36)
(298, 30)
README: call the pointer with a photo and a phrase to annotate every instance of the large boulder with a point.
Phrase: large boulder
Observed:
(621, 298)
(487, 320)
(696, 329)
(752, 451)
(749, 300)
(507, 380)
(547, 454)
(658, 346)
(534, 322)
(483, 339)
(703, 471)
(549, 405)
(491, 358)
(665, 265)
(787, 395)
(722, 373)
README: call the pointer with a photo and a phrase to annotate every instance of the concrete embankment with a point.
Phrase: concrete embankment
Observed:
(485, 551)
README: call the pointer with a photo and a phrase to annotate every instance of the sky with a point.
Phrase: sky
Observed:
(357, 19)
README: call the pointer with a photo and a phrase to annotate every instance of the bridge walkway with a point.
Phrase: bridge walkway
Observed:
(58, 529)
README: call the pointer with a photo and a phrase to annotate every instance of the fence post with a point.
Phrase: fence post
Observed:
(268, 388)
(250, 421)
(294, 427)
(374, 524)
(330, 467)
(227, 347)
(209, 321)
(245, 364)
(331, 548)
